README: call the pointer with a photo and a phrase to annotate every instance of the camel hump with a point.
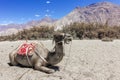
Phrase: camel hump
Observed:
(26, 49)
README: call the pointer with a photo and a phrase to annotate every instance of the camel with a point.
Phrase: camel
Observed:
(41, 56)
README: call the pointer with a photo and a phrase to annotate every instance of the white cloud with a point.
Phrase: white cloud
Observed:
(48, 2)
(47, 10)
(47, 15)
(37, 15)
(3, 24)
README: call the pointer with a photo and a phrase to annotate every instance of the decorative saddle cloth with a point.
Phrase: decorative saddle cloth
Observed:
(26, 49)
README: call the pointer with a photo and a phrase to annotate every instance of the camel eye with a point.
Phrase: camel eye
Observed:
(69, 36)
(61, 36)
(56, 37)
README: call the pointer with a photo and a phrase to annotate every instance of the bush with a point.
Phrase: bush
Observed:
(31, 34)
(92, 31)
(77, 30)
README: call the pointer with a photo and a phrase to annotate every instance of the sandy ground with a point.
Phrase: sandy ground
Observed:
(88, 60)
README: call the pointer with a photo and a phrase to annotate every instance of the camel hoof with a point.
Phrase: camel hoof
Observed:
(51, 71)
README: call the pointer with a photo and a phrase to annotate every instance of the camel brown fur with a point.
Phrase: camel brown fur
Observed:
(41, 56)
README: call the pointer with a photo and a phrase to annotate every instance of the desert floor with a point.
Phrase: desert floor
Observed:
(88, 60)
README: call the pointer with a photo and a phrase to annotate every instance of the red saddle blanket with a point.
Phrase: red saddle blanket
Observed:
(26, 49)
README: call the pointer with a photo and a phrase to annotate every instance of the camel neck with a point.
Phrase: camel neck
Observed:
(56, 56)
(59, 49)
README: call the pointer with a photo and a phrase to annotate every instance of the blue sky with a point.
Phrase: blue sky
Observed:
(21, 11)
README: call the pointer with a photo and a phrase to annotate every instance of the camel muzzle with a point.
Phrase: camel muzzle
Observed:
(68, 39)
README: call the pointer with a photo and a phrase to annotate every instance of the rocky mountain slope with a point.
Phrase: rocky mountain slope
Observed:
(14, 28)
(101, 12)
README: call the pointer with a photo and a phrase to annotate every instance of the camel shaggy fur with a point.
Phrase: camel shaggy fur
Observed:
(41, 56)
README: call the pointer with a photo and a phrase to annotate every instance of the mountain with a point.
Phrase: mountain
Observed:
(46, 21)
(4, 27)
(14, 28)
(10, 29)
(101, 13)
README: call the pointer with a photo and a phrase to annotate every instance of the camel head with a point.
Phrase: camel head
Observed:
(62, 37)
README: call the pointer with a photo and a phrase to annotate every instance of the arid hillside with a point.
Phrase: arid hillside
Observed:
(100, 13)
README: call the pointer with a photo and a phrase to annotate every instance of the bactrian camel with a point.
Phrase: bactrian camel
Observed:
(41, 56)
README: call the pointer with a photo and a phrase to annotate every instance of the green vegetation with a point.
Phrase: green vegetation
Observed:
(34, 33)
(92, 31)
(78, 30)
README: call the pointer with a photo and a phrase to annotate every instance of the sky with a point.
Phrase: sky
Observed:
(22, 11)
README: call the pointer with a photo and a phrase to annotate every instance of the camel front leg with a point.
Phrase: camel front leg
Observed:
(39, 67)
(12, 57)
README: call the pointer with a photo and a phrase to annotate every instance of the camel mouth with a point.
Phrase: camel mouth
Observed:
(68, 40)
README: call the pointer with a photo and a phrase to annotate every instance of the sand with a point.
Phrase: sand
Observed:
(88, 60)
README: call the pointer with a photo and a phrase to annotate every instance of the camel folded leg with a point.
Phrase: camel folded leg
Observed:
(39, 67)
(12, 59)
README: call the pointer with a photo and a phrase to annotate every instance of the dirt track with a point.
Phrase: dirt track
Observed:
(89, 60)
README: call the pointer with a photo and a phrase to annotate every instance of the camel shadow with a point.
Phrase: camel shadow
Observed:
(56, 68)
(19, 65)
